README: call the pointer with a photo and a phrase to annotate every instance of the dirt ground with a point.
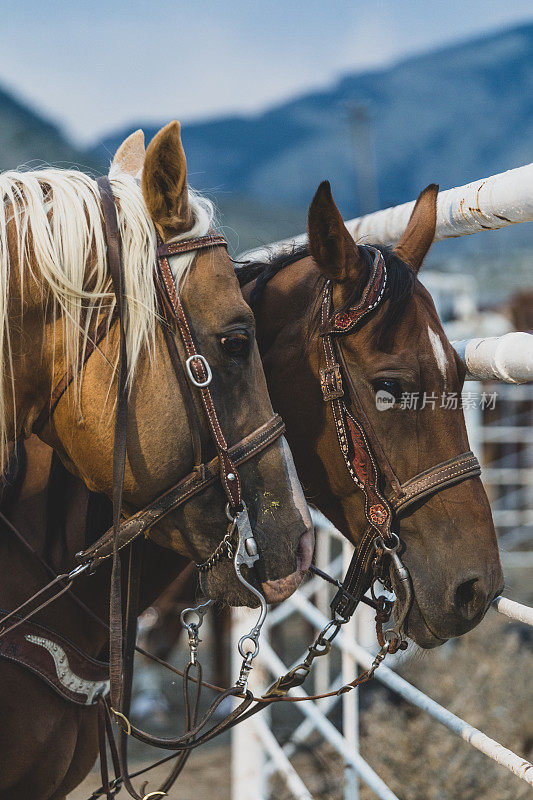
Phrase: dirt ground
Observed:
(205, 777)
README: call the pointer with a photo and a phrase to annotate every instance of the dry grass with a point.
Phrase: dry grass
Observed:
(486, 679)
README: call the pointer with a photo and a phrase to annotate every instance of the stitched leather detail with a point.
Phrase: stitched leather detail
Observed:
(448, 473)
(188, 245)
(345, 321)
(357, 451)
(232, 487)
(73, 674)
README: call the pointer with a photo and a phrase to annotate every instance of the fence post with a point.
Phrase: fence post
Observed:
(474, 420)
(350, 700)
(322, 555)
(247, 752)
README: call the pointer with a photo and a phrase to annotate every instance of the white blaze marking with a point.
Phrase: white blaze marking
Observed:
(438, 350)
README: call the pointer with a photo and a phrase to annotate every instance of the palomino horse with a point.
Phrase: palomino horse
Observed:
(55, 301)
(399, 352)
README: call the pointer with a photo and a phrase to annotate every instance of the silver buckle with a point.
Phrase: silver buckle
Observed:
(204, 361)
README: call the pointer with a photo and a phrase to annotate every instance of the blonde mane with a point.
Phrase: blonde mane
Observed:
(57, 219)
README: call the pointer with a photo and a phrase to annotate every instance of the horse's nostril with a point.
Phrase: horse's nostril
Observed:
(470, 598)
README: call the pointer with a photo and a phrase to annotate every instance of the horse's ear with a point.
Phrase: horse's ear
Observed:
(420, 232)
(330, 244)
(129, 157)
(164, 183)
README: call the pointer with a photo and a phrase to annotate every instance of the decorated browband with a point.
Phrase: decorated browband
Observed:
(345, 321)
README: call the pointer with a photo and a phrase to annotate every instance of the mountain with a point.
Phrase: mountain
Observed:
(448, 116)
(27, 139)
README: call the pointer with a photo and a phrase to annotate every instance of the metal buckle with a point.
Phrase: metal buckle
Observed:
(205, 364)
(331, 383)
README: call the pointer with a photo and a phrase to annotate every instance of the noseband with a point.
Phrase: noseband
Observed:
(386, 499)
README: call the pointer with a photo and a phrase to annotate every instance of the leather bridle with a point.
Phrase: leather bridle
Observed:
(386, 499)
(193, 375)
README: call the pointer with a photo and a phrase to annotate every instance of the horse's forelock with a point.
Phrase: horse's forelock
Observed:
(400, 290)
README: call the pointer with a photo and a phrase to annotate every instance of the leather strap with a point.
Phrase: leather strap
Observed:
(360, 463)
(187, 245)
(359, 574)
(184, 383)
(114, 260)
(355, 447)
(188, 487)
(361, 450)
(105, 735)
(447, 473)
(71, 673)
(229, 475)
(345, 321)
(132, 612)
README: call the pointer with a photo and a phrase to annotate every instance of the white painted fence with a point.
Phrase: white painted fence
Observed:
(487, 204)
(507, 358)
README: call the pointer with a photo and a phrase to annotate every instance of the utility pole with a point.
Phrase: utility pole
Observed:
(364, 157)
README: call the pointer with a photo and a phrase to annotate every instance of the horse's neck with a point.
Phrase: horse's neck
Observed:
(23, 574)
(287, 304)
(287, 333)
(35, 334)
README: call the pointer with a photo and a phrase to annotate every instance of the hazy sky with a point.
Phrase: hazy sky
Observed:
(100, 64)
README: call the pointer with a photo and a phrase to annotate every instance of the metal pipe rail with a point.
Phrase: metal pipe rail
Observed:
(516, 764)
(507, 358)
(485, 204)
(513, 610)
(281, 762)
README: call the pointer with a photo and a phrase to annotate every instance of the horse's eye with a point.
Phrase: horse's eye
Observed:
(236, 344)
(390, 385)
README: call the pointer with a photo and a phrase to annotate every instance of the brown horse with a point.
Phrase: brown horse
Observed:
(448, 538)
(55, 291)
(47, 744)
